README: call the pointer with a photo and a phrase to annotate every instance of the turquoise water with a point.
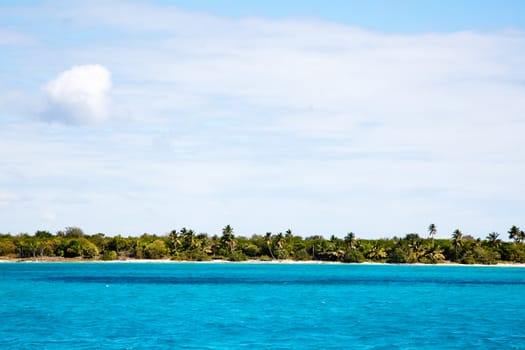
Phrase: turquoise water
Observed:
(259, 306)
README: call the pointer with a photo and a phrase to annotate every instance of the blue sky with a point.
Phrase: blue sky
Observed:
(376, 117)
(402, 16)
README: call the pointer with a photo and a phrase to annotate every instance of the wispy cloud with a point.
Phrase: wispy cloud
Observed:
(10, 37)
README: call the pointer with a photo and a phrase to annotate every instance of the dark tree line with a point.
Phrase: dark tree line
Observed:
(186, 244)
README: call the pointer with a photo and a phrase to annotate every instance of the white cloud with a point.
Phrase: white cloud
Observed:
(80, 94)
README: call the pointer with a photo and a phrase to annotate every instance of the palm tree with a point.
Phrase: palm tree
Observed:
(457, 238)
(279, 240)
(279, 243)
(432, 230)
(435, 255)
(416, 249)
(289, 240)
(493, 239)
(174, 242)
(350, 241)
(316, 244)
(189, 238)
(376, 252)
(516, 234)
(203, 243)
(268, 241)
(228, 238)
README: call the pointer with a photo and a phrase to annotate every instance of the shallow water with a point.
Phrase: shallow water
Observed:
(277, 306)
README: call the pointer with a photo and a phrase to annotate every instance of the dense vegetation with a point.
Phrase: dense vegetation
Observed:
(187, 245)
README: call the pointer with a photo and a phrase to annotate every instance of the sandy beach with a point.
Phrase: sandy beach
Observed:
(218, 261)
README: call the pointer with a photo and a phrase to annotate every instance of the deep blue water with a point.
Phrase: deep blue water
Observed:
(260, 306)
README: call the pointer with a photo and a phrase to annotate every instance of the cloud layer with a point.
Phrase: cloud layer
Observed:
(260, 123)
(80, 94)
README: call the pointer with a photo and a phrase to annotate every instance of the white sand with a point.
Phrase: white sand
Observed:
(286, 261)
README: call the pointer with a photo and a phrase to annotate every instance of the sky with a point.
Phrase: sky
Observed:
(324, 117)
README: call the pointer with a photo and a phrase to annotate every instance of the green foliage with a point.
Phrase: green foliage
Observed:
(516, 234)
(117, 244)
(398, 256)
(193, 255)
(43, 234)
(485, 256)
(89, 250)
(353, 256)
(228, 241)
(73, 249)
(251, 250)
(300, 255)
(109, 255)
(190, 246)
(74, 232)
(156, 250)
(7, 247)
(237, 256)
(512, 252)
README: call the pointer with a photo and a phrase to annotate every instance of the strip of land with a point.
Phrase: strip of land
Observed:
(72, 245)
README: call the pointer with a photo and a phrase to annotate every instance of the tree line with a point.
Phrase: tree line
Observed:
(187, 245)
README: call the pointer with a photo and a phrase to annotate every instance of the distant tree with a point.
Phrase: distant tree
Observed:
(251, 250)
(457, 241)
(109, 255)
(45, 247)
(493, 239)
(350, 241)
(156, 250)
(316, 244)
(174, 242)
(118, 244)
(434, 255)
(99, 240)
(43, 234)
(376, 252)
(417, 250)
(73, 249)
(516, 234)
(228, 239)
(89, 250)
(7, 247)
(484, 256)
(398, 255)
(278, 243)
(268, 240)
(73, 232)
(432, 230)
(188, 239)
(203, 243)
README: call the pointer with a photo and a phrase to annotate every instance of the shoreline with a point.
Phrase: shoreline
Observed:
(247, 262)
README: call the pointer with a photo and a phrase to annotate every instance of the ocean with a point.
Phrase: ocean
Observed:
(260, 306)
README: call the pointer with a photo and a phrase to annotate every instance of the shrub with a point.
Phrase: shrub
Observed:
(353, 256)
(109, 255)
(156, 250)
(397, 256)
(89, 250)
(251, 250)
(237, 256)
(302, 254)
